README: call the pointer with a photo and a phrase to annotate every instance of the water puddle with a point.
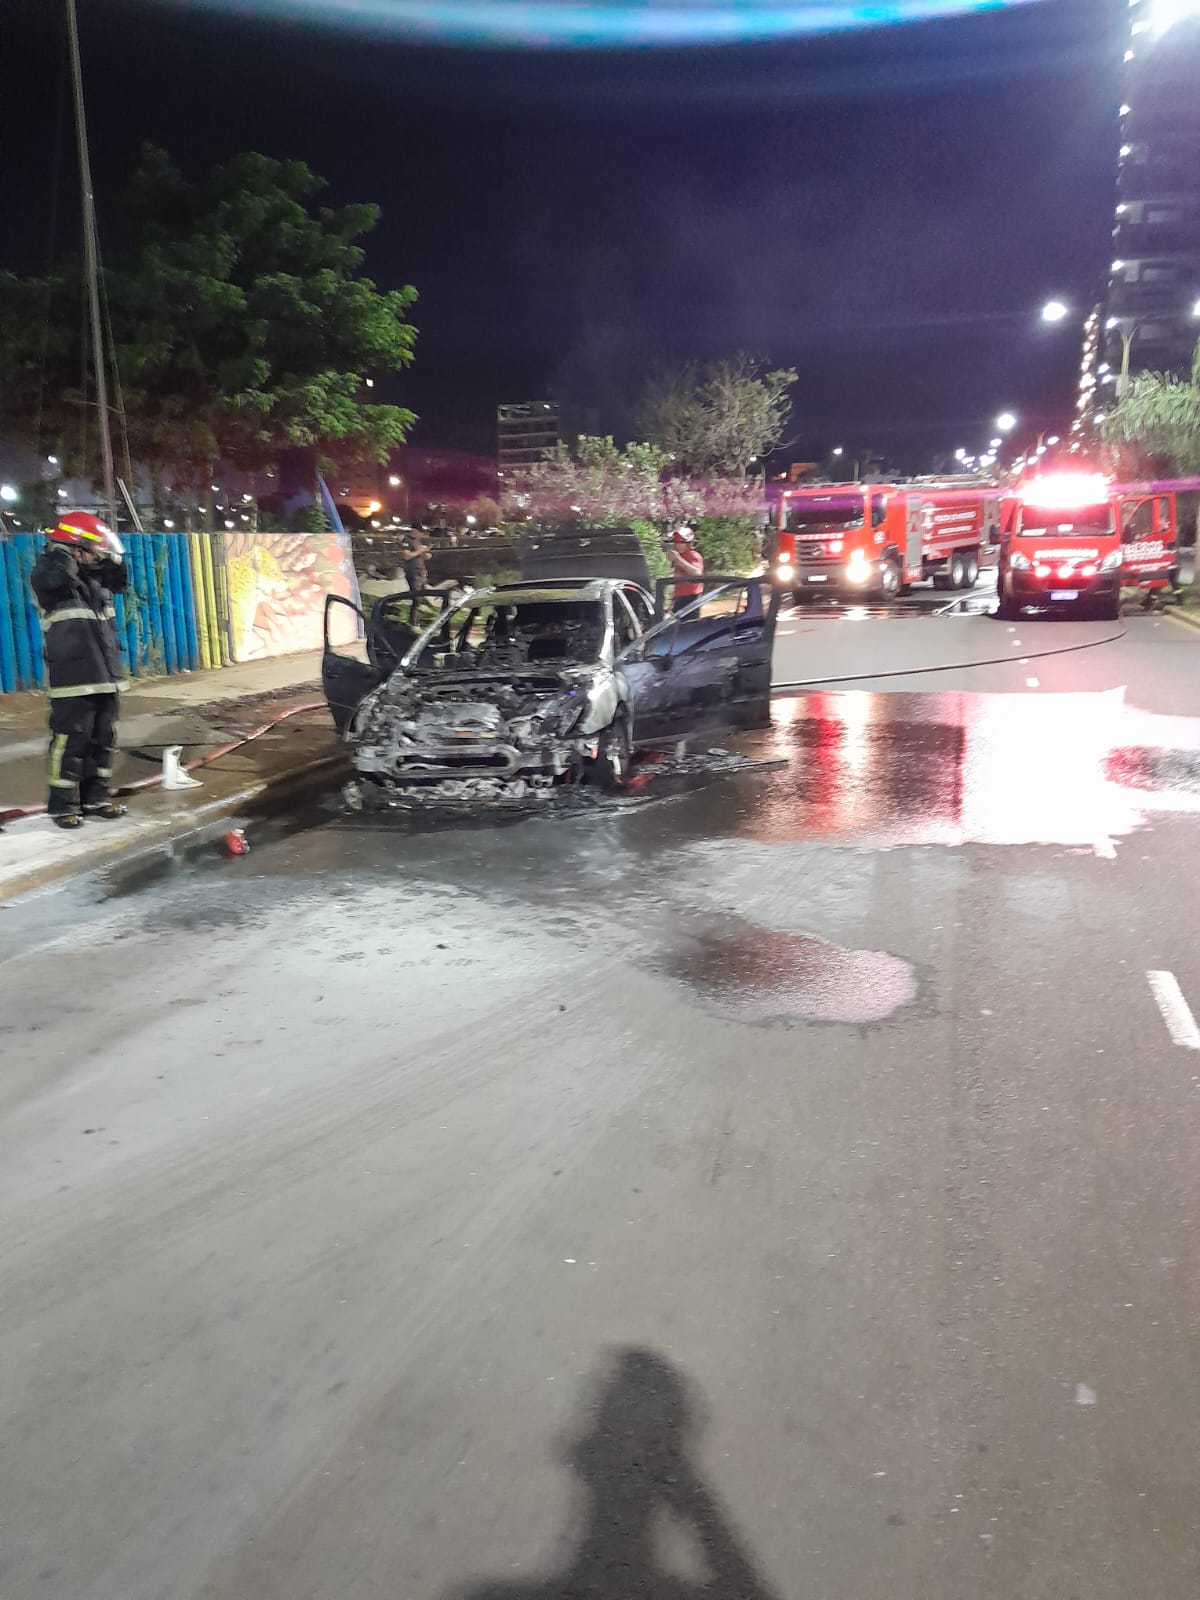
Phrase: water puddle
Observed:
(753, 974)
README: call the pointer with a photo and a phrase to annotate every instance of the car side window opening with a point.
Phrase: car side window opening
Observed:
(641, 605)
(625, 625)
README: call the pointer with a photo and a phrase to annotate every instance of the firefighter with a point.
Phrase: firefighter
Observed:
(687, 564)
(73, 581)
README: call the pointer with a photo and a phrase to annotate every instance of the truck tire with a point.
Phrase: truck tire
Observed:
(890, 579)
(1110, 610)
(941, 580)
(958, 571)
(972, 577)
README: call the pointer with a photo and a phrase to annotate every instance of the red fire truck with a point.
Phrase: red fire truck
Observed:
(877, 538)
(1071, 541)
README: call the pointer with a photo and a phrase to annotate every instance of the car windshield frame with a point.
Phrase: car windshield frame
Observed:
(456, 619)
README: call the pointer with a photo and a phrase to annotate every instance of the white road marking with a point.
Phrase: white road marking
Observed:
(1176, 1012)
(1032, 683)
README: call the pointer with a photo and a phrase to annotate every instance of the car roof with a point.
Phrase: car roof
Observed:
(562, 590)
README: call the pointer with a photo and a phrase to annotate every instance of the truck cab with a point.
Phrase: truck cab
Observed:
(831, 540)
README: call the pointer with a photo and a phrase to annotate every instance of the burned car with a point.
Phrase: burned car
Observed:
(519, 687)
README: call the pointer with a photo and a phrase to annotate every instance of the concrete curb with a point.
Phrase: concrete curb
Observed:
(1186, 619)
(159, 836)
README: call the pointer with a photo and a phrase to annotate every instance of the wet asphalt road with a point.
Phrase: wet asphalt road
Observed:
(779, 1183)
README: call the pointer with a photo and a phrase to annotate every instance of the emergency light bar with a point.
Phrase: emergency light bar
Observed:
(1065, 489)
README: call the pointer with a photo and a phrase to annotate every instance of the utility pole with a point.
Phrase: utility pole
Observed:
(91, 254)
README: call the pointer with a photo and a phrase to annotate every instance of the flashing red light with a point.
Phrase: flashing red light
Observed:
(1065, 571)
(836, 546)
(1065, 489)
(1089, 571)
(1041, 572)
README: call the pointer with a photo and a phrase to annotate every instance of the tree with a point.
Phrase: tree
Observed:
(1159, 415)
(718, 418)
(596, 482)
(240, 324)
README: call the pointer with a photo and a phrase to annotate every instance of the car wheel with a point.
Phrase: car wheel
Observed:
(941, 580)
(958, 571)
(889, 580)
(971, 577)
(610, 770)
(1110, 610)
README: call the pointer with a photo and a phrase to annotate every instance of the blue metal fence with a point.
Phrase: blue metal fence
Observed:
(156, 616)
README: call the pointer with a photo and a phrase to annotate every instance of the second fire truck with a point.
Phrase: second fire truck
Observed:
(875, 539)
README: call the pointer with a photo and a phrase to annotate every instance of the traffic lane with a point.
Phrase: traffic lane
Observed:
(349, 1263)
(1149, 658)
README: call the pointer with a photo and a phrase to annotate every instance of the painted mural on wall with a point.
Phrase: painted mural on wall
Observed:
(277, 588)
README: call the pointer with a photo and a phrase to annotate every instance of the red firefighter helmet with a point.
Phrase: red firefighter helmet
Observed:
(87, 530)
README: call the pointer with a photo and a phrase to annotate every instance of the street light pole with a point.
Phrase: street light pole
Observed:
(92, 262)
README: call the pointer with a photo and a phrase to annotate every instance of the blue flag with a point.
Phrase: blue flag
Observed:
(329, 505)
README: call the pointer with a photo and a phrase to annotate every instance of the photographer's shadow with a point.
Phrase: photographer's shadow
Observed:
(635, 1466)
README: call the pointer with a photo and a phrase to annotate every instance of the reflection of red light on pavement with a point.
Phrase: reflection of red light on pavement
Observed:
(893, 769)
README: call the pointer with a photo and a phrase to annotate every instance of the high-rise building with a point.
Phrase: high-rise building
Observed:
(525, 434)
(1151, 319)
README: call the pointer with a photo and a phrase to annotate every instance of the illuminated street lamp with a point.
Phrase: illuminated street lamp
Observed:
(8, 494)
(1006, 422)
(1055, 311)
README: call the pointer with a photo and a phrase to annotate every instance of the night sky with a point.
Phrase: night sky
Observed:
(886, 211)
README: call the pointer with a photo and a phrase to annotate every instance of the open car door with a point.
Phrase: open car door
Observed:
(705, 668)
(345, 679)
(394, 626)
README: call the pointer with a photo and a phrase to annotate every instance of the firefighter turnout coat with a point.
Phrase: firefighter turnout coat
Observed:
(78, 622)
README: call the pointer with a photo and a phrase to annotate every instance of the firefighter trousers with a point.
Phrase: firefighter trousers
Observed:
(83, 735)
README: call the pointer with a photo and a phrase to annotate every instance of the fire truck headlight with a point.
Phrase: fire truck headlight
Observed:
(858, 569)
(1111, 562)
(1019, 562)
(785, 572)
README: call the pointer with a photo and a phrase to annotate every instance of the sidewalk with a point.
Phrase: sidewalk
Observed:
(198, 710)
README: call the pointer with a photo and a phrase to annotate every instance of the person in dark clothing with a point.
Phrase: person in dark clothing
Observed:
(73, 582)
(416, 554)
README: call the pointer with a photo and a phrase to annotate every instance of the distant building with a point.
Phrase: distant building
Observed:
(1151, 310)
(525, 434)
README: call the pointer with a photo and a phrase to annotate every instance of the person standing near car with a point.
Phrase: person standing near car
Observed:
(688, 566)
(74, 580)
(416, 555)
